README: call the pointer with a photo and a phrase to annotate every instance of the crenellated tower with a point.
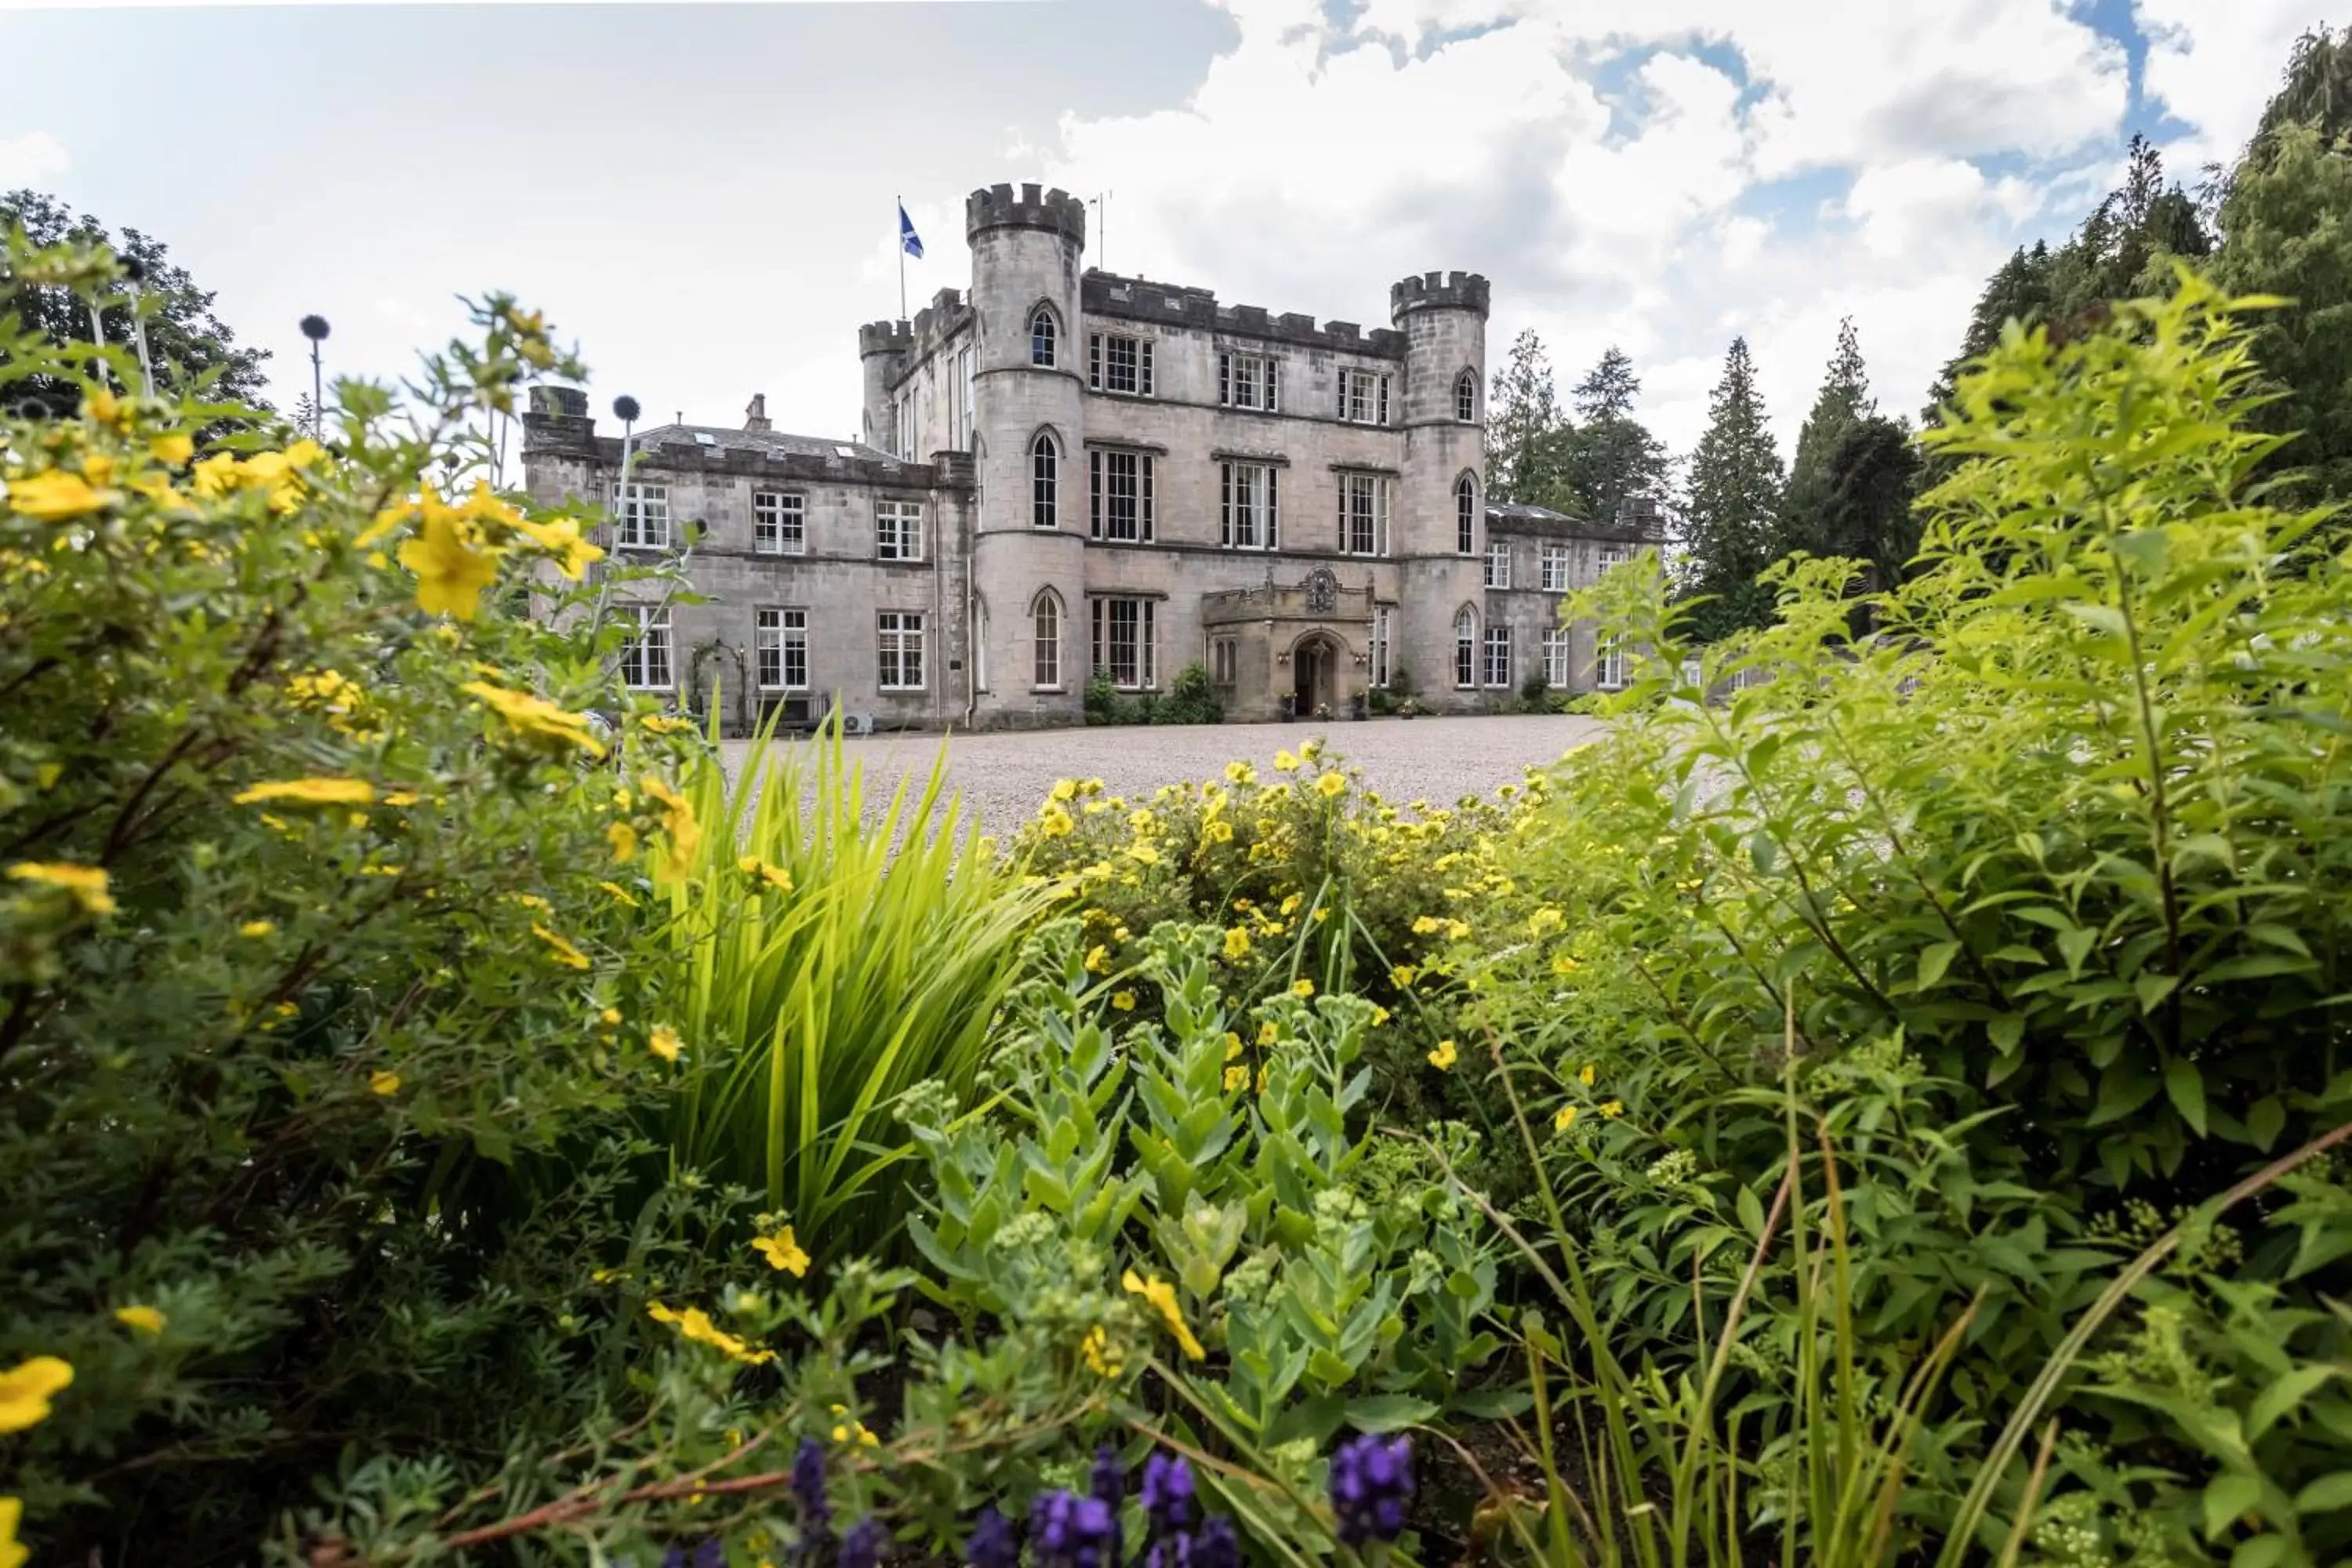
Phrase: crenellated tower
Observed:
(1442, 315)
(1029, 384)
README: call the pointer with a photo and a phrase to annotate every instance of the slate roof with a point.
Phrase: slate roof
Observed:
(1521, 517)
(773, 443)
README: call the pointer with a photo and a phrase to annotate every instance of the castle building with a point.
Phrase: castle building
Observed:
(1067, 472)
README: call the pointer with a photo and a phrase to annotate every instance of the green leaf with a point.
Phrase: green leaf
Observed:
(2328, 1494)
(2227, 1496)
(1751, 1212)
(1388, 1412)
(2283, 1395)
(2185, 1087)
(2265, 1121)
(2006, 1032)
(2261, 1551)
(2154, 988)
(1934, 960)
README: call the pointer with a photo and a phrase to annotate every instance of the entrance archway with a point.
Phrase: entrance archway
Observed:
(1315, 676)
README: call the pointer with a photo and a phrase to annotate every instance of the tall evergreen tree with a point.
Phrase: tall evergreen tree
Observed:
(1524, 425)
(1843, 401)
(1612, 454)
(1732, 504)
(1862, 510)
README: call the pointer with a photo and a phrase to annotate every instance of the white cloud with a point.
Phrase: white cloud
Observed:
(34, 159)
(2214, 66)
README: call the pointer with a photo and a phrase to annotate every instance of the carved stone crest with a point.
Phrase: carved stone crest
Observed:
(1322, 591)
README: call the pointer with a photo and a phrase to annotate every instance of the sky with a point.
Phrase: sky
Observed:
(701, 197)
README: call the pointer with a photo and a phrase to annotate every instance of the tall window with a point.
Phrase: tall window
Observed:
(1611, 555)
(1118, 495)
(1363, 514)
(644, 660)
(1248, 381)
(780, 649)
(962, 443)
(778, 523)
(644, 522)
(1498, 656)
(1466, 648)
(1248, 497)
(1116, 364)
(1042, 336)
(1553, 564)
(898, 638)
(1364, 396)
(1609, 664)
(906, 448)
(1555, 652)
(1382, 628)
(1046, 628)
(1498, 563)
(898, 530)
(1465, 515)
(1225, 660)
(1044, 482)
(1466, 397)
(1123, 641)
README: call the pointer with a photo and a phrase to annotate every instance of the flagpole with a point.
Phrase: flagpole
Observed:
(899, 238)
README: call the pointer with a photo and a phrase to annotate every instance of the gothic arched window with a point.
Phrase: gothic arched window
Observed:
(1466, 397)
(1044, 482)
(1465, 515)
(1041, 334)
(1466, 648)
(1045, 620)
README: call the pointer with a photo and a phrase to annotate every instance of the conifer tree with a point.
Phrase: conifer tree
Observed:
(1524, 425)
(1731, 505)
(1610, 456)
(1845, 399)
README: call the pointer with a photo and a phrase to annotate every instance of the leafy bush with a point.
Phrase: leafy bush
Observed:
(1190, 699)
(2048, 885)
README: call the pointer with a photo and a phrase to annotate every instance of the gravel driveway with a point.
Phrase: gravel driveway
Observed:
(1006, 775)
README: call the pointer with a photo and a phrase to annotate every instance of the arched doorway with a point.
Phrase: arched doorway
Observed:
(1315, 676)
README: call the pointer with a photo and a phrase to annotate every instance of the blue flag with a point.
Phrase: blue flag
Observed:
(908, 240)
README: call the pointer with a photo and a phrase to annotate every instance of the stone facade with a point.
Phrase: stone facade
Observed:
(1067, 470)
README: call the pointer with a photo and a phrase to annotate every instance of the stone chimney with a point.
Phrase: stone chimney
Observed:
(755, 418)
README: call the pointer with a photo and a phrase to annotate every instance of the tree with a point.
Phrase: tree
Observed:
(1524, 425)
(185, 340)
(1844, 402)
(1612, 454)
(1864, 510)
(1731, 505)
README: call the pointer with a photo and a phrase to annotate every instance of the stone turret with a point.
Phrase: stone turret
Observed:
(1442, 317)
(1026, 247)
(882, 349)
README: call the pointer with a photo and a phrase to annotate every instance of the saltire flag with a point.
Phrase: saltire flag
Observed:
(908, 240)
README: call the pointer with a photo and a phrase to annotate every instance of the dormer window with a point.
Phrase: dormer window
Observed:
(1042, 337)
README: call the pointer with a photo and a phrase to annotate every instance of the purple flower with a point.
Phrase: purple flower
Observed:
(992, 1544)
(707, 1553)
(1169, 1552)
(1107, 1481)
(1217, 1546)
(1168, 1492)
(808, 1487)
(862, 1547)
(1074, 1531)
(1371, 1481)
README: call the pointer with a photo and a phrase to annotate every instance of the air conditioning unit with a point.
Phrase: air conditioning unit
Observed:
(857, 724)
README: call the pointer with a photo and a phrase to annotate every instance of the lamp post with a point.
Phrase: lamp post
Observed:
(315, 329)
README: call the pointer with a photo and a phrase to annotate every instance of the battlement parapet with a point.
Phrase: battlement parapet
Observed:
(1439, 291)
(1000, 206)
(885, 338)
(1171, 304)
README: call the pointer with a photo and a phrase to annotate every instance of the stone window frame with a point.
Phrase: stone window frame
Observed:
(1557, 651)
(1103, 623)
(1266, 516)
(899, 649)
(1044, 478)
(1608, 554)
(1465, 513)
(1363, 395)
(1098, 495)
(1384, 513)
(1100, 363)
(1045, 336)
(898, 531)
(786, 529)
(1381, 646)
(1466, 396)
(1498, 563)
(1224, 661)
(1047, 618)
(648, 659)
(1466, 648)
(786, 637)
(1608, 663)
(1495, 660)
(1264, 381)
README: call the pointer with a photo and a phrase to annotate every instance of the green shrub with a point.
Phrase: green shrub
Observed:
(1102, 700)
(1190, 699)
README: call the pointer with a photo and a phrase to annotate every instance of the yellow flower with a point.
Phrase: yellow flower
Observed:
(535, 718)
(86, 883)
(255, 927)
(146, 1319)
(776, 876)
(665, 1043)
(57, 497)
(1612, 1107)
(624, 840)
(452, 567)
(26, 1388)
(1424, 925)
(1302, 988)
(1444, 1056)
(615, 888)
(309, 791)
(1123, 1000)
(1290, 905)
(1284, 761)
(1237, 1077)
(1099, 959)
(561, 539)
(383, 1083)
(1102, 1357)
(1403, 976)
(1561, 963)
(1065, 789)
(1585, 1074)
(1240, 773)
(1233, 1045)
(1143, 852)
(1379, 1016)
(1162, 1295)
(1218, 832)
(1330, 785)
(1237, 942)
(1266, 1035)
(678, 821)
(12, 1514)
(1565, 1119)
(1261, 1077)
(566, 954)
(174, 448)
(661, 724)
(782, 1250)
(695, 1324)
(1544, 921)
(609, 1018)
(1054, 821)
